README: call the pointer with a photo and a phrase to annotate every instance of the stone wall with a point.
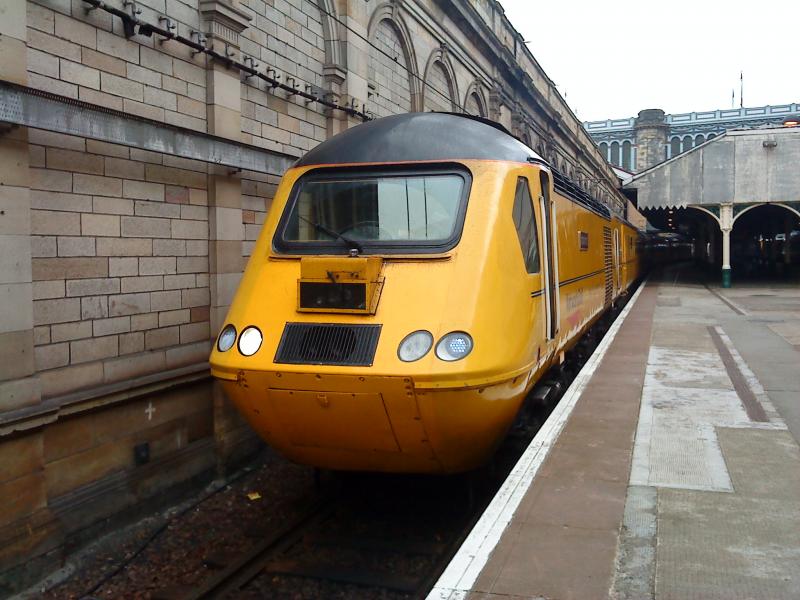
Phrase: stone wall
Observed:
(119, 247)
(118, 265)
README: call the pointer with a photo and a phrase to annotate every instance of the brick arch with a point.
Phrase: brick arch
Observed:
(439, 63)
(476, 98)
(386, 18)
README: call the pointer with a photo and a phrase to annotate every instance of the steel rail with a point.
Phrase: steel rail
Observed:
(274, 556)
(251, 563)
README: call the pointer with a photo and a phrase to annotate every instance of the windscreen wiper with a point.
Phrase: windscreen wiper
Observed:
(353, 244)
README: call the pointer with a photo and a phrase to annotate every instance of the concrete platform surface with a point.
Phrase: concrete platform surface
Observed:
(677, 473)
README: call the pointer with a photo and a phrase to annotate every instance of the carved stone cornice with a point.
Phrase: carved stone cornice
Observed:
(224, 21)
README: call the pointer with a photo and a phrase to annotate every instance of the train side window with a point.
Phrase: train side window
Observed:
(525, 222)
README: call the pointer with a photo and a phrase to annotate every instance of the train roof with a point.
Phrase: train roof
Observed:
(412, 137)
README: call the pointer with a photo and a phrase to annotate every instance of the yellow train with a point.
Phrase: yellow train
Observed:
(415, 277)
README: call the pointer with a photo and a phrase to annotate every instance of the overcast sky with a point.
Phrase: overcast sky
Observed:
(613, 59)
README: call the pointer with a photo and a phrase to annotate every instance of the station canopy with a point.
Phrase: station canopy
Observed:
(739, 167)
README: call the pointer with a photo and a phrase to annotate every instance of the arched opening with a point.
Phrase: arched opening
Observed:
(614, 160)
(626, 155)
(604, 150)
(675, 146)
(438, 91)
(686, 234)
(711, 136)
(474, 105)
(688, 143)
(390, 89)
(765, 243)
(699, 139)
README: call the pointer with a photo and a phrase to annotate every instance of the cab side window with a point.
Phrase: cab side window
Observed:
(525, 223)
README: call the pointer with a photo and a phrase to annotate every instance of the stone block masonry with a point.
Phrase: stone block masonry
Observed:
(104, 247)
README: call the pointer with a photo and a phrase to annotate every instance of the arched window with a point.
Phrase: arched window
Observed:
(711, 136)
(438, 89)
(604, 150)
(675, 146)
(699, 139)
(389, 81)
(687, 143)
(626, 155)
(614, 160)
(474, 105)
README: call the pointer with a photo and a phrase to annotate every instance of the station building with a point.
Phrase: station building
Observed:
(686, 179)
(736, 197)
(638, 142)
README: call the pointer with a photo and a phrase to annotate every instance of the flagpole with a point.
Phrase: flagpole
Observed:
(741, 89)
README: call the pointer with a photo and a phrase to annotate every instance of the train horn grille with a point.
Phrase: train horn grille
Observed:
(328, 344)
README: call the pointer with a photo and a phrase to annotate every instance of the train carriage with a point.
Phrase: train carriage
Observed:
(415, 277)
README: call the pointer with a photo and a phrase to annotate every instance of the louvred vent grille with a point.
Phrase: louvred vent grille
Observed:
(328, 344)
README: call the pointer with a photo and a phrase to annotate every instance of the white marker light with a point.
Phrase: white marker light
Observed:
(454, 346)
(226, 338)
(250, 341)
(415, 345)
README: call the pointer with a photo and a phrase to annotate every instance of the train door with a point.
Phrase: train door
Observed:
(549, 258)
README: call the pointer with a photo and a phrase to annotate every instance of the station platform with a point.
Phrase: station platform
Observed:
(671, 467)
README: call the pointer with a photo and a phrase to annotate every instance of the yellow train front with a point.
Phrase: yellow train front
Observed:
(413, 279)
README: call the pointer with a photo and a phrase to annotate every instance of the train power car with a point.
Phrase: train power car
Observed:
(414, 277)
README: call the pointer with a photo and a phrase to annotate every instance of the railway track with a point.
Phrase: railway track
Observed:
(366, 534)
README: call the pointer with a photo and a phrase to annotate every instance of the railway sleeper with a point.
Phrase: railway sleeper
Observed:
(378, 544)
(344, 574)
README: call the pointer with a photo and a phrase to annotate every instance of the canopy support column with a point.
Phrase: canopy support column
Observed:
(726, 225)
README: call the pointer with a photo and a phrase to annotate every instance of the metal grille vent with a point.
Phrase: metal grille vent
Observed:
(608, 264)
(328, 344)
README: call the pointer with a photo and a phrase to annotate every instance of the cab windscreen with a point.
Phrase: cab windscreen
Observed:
(358, 212)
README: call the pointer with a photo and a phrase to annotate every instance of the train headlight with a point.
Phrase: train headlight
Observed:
(454, 346)
(250, 341)
(226, 338)
(415, 345)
